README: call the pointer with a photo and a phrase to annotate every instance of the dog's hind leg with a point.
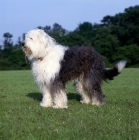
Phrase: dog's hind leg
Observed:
(85, 96)
(47, 97)
(97, 95)
(93, 85)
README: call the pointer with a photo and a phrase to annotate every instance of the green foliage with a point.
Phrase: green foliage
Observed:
(129, 53)
(107, 63)
(106, 41)
(116, 38)
(7, 40)
(22, 118)
(125, 25)
(17, 60)
(75, 39)
(4, 64)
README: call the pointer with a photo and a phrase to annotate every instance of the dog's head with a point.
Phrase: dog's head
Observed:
(36, 44)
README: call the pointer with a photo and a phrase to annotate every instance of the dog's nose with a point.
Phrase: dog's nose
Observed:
(23, 43)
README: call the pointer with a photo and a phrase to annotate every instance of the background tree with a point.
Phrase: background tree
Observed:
(7, 40)
(116, 38)
(106, 43)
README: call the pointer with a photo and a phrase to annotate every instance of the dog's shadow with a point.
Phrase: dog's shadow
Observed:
(38, 96)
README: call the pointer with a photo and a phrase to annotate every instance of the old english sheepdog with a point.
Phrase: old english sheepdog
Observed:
(53, 65)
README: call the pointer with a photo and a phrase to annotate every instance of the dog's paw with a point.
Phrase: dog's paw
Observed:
(58, 107)
(85, 102)
(45, 104)
(98, 103)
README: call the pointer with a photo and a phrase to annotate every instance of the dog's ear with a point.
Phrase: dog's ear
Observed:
(43, 37)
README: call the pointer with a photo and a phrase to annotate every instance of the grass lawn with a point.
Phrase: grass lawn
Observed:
(22, 118)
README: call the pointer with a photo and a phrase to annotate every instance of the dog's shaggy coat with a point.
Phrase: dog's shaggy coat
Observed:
(53, 65)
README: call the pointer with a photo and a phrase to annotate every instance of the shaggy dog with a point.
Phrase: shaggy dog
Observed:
(53, 65)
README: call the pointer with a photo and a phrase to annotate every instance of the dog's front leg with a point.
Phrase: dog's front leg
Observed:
(47, 97)
(60, 99)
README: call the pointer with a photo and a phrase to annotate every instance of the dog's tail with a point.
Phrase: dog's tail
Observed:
(111, 73)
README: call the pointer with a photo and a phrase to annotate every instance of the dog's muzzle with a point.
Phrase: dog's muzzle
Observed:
(23, 44)
(26, 49)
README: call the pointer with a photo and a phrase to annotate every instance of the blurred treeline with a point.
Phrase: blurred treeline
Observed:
(115, 38)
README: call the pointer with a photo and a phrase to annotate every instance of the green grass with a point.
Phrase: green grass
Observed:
(22, 118)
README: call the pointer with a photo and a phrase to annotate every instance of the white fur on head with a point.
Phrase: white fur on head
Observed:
(37, 41)
(121, 65)
(41, 45)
